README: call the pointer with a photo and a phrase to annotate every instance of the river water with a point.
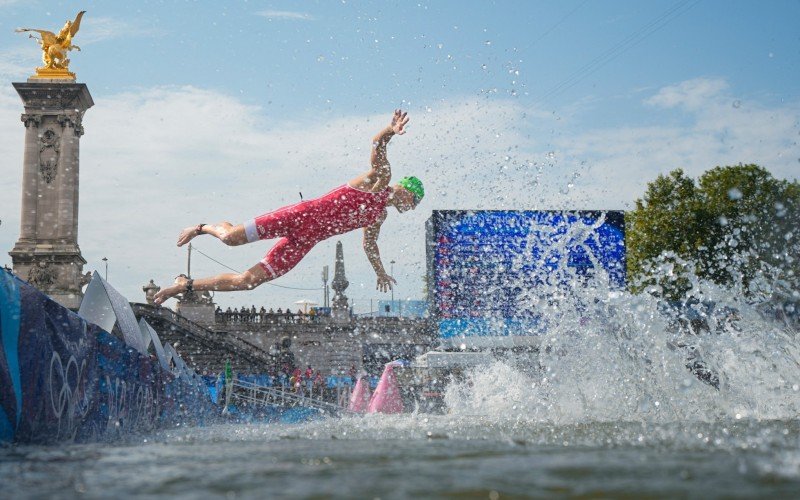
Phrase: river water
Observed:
(422, 456)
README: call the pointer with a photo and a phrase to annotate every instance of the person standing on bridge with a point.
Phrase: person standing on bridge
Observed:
(360, 203)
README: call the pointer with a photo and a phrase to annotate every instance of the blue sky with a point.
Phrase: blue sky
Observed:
(210, 111)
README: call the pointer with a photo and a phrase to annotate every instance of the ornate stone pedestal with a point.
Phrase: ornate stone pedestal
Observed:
(47, 253)
(53, 74)
(197, 307)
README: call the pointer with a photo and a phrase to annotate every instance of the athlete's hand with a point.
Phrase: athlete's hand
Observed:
(399, 120)
(385, 282)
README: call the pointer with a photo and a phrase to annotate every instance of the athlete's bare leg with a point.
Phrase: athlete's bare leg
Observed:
(225, 231)
(227, 282)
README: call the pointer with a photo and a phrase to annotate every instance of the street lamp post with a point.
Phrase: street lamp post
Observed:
(391, 263)
(106, 262)
(325, 286)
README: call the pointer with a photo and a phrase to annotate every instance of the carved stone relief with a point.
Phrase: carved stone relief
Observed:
(48, 154)
(74, 120)
(42, 275)
(31, 119)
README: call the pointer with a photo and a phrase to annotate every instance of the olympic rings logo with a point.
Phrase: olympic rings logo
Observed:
(67, 391)
(129, 406)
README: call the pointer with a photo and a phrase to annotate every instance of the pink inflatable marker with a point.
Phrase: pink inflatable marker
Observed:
(386, 398)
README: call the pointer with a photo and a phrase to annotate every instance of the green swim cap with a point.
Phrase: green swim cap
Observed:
(414, 185)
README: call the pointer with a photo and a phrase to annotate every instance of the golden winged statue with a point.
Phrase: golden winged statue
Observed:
(55, 48)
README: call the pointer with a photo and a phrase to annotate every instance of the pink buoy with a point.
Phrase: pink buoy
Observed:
(359, 400)
(386, 398)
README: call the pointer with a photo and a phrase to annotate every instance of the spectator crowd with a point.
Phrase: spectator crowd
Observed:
(264, 316)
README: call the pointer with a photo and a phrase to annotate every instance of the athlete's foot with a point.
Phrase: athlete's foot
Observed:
(167, 293)
(187, 235)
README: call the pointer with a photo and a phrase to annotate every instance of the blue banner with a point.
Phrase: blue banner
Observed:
(63, 379)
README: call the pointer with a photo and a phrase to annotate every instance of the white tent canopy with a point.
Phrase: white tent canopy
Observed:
(305, 303)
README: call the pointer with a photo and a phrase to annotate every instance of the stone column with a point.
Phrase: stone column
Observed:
(67, 229)
(47, 253)
(30, 177)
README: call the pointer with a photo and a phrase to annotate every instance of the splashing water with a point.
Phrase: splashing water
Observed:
(625, 364)
(613, 356)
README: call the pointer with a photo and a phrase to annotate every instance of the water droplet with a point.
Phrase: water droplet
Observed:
(320, 58)
(487, 42)
(734, 194)
(483, 66)
(737, 104)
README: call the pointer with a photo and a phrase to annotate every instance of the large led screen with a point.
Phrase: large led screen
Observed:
(486, 268)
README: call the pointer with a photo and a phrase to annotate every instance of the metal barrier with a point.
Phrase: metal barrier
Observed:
(252, 393)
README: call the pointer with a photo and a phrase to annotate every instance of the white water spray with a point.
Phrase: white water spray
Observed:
(613, 356)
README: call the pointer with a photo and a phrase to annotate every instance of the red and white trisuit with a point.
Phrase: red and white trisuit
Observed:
(303, 225)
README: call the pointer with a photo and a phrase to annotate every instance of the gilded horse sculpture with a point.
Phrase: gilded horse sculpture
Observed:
(55, 48)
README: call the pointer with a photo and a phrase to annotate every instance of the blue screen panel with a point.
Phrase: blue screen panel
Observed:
(486, 267)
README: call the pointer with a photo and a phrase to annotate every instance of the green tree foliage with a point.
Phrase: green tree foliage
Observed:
(731, 224)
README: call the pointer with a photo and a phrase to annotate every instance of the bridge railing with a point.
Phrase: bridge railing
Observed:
(253, 353)
(256, 394)
(262, 318)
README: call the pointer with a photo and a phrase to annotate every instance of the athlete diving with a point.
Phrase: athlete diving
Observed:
(360, 203)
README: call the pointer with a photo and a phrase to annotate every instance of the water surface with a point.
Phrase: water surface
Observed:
(421, 456)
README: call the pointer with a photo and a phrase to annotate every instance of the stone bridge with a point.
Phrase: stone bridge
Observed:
(335, 346)
(256, 345)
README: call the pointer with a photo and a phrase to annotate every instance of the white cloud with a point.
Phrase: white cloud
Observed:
(692, 94)
(157, 160)
(20, 61)
(285, 14)
(98, 29)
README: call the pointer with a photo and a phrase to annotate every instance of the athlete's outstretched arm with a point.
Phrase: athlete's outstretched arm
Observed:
(374, 255)
(379, 176)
